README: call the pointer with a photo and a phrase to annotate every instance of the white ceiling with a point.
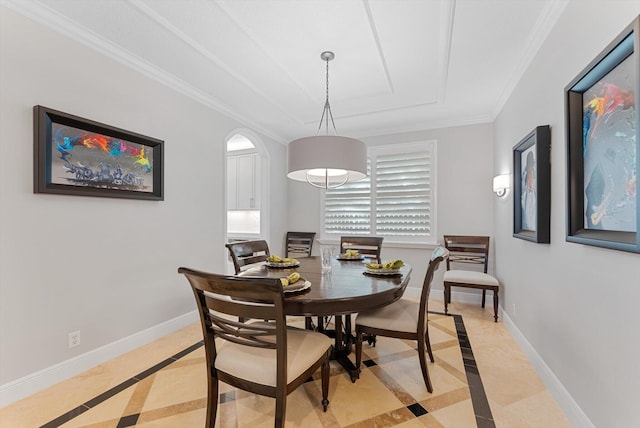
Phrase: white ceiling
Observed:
(401, 65)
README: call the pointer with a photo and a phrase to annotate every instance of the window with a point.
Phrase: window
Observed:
(396, 200)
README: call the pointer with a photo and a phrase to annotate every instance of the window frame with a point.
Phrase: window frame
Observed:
(372, 153)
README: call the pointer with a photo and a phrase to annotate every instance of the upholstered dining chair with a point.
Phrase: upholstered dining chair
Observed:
(403, 319)
(246, 253)
(368, 246)
(265, 358)
(469, 250)
(300, 243)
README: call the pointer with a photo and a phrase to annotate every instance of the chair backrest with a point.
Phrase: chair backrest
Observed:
(223, 300)
(467, 249)
(370, 246)
(300, 243)
(437, 256)
(246, 253)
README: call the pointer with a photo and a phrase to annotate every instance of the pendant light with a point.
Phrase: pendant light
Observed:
(327, 161)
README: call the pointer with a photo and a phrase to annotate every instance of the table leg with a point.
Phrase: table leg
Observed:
(342, 348)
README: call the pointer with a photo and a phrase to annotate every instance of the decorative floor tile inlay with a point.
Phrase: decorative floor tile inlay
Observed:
(390, 391)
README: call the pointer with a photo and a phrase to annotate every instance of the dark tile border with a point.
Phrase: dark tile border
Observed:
(125, 420)
(484, 418)
(481, 409)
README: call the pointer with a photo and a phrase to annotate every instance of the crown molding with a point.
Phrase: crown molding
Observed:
(543, 26)
(60, 24)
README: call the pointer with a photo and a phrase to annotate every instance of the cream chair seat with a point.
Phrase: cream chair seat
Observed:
(402, 315)
(471, 277)
(259, 365)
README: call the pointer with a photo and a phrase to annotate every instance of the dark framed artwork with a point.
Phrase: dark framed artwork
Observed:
(76, 156)
(602, 147)
(532, 186)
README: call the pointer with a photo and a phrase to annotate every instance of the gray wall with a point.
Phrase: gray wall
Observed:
(576, 305)
(106, 267)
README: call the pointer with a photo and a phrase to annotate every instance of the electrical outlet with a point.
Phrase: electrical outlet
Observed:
(514, 310)
(74, 339)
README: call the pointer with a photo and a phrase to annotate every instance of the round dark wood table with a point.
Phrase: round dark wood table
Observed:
(344, 290)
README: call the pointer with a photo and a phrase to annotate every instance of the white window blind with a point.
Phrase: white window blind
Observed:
(396, 200)
(347, 209)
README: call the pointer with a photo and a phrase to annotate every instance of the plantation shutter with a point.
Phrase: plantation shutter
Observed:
(347, 209)
(403, 194)
(396, 200)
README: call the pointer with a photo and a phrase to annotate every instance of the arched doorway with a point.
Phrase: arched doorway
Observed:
(246, 187)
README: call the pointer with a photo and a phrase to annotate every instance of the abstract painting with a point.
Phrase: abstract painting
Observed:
(82, 157)
(609, 146)
(602, 147)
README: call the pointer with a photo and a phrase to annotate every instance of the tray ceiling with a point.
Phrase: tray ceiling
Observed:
(400, 65)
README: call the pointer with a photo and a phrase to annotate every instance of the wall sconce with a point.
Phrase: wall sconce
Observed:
(500, 184)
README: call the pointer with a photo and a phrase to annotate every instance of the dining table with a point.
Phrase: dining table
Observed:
(346, 289)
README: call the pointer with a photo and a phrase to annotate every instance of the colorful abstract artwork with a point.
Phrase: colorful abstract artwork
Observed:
(77, 156)
(609, 150)
(96, 160)
(602, 154)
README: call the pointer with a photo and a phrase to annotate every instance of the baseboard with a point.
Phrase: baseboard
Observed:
(13, 391)
(566, 402)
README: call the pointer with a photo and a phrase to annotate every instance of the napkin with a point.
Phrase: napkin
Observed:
(352, 253)
(393, 265)
(277, 259)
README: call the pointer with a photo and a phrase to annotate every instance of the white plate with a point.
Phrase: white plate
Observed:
(383, 271)
(301, 284)
(283, 265)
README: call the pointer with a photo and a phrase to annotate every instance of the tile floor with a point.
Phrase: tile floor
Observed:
(390, 391)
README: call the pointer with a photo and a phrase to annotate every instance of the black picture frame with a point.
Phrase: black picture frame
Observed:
(602, 108)
(532, 186)
(78, 156)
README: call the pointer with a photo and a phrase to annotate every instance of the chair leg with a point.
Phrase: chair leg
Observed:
(484, 295)
(428, 342)
(495, 305)
(212, 399)
(281, 407)
(324, 371)
(447, 297)
(423, 363)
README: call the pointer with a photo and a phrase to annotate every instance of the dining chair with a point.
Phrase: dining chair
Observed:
(246, 253)
(300, 243)
(265, 358)
(469, 250)
(368, 246)
(403, 319)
